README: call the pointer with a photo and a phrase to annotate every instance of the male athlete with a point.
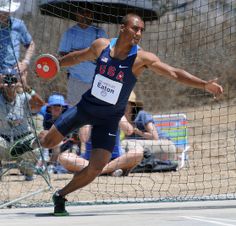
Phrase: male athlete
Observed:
(119, 63)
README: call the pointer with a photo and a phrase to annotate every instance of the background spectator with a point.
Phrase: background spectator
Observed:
(16, 133)
(145, 132)
(51, 111)
(79, 37)
(13, 34)
(80, 76)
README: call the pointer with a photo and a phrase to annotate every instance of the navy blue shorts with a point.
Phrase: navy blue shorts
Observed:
(103, 133)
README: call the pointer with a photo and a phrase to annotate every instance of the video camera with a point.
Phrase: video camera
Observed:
(9, 79)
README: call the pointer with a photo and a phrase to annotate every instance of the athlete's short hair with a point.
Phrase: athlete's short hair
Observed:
(126, 18)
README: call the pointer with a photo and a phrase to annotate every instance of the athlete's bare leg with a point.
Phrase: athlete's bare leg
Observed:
(98, 159)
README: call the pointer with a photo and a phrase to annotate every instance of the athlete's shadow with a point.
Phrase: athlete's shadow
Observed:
(71, 215)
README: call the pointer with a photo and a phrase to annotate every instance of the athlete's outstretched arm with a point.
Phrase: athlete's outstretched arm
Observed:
(88, 54)
(153, 63)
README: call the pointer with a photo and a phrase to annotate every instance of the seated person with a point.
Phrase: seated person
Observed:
(16, 134)
(51, 111)
(145, 132)
(121, 161)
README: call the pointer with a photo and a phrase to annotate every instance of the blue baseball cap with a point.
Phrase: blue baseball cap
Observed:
(56, 99)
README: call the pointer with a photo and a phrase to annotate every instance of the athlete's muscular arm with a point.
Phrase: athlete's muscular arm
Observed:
(88, 54)
(152, 62)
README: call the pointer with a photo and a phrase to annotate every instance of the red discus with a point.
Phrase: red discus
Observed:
(47, 66)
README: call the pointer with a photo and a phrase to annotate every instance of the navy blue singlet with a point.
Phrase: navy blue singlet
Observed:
(112, 84)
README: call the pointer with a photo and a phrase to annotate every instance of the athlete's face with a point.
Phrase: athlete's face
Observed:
(133, 30)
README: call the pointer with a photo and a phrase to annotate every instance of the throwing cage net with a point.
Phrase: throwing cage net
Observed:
(196, 35)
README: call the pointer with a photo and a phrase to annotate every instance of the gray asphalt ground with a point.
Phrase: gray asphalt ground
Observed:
(204, 213)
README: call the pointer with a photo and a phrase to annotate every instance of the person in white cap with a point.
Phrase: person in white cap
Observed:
(13, 34)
